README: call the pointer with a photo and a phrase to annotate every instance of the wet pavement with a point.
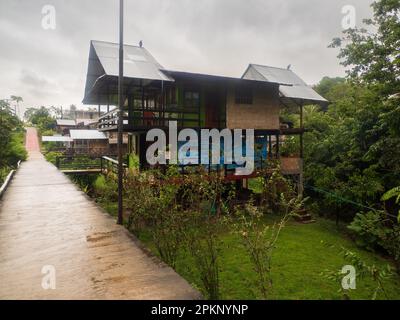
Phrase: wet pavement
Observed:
(51, 234)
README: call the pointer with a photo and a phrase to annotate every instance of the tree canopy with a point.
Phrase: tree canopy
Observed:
(11, 139)
(353, 148)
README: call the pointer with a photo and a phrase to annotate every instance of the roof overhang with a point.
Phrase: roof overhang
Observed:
(293, 90)
(214, 79)
(103, 70)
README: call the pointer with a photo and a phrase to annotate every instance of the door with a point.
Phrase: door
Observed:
(212, 105)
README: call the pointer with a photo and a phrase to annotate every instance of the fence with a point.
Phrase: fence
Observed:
(7, 181)
(87, 164)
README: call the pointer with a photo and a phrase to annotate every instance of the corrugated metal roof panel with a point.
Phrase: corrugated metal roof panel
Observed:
(66, 122)
(86, 122)
(87, 135)
(56, 139)
(291, 85)
(279, 75)
(301, 92)
(138, 62)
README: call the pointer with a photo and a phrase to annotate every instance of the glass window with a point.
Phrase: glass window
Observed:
(192, 99)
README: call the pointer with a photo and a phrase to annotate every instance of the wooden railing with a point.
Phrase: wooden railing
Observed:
(110, 164)
(7, 181)
(139, 118)
(87, 164)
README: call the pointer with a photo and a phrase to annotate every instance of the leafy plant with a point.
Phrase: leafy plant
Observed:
(375, 231)
(393, 193)
(274, 186)
(105, 187)
(369, 228)
(11, 137)
(202, 201)
(152, 204)
(352, 148)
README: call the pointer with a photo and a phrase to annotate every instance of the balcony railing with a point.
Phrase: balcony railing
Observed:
(139, 118)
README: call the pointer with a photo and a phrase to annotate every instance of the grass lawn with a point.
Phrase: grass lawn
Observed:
(297, 262)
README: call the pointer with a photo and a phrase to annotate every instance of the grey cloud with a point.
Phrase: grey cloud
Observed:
(209, 36)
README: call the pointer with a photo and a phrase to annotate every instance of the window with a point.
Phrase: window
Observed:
(192, 99)
(243, 96)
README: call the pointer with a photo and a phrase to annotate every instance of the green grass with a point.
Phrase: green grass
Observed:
(297, 263)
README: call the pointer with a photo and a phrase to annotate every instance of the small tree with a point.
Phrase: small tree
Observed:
(152, 205)
(202, 200)
(274, 185)
(259, 240)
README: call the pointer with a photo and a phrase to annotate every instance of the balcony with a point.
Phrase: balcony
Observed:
(140, 119)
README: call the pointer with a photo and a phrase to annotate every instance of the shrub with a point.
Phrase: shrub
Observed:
(260, 241)
(274, 185)
(374, 231)
(152, 204)
(17, 149)
(105, 187)
(52, 156)
(202, 198)
(202, 243)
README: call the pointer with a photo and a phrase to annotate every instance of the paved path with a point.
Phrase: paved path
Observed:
(46, 221)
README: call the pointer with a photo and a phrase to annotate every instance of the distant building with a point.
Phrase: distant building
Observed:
(82, 114)
(89, 142)
(63, 126)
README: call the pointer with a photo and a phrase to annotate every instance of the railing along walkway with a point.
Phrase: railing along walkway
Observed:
(57, 244)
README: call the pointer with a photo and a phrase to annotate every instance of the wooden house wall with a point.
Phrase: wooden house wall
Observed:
(262, 114)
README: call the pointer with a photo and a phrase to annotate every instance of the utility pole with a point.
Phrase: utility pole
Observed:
(120, 111)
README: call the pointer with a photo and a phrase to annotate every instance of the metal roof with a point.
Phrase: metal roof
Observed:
(291, 85)
(141, 67)
(138, 62)
(66, 122)
(87, 135)
(56, 139)
(86, 122)
(104, 65)
(210, 77)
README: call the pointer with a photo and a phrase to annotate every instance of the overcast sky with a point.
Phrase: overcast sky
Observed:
(48, 67)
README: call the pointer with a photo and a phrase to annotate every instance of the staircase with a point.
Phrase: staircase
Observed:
(304, 217)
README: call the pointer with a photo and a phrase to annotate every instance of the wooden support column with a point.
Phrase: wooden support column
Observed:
(143, 121)
(277, 147)
(161, 107)
(142, 151)
(108, 99)
(130, 109)
(199, 145)
(269, 146)
(301, 176)
(301, 135)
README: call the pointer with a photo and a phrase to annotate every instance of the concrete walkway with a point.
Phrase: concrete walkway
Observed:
(46, 223)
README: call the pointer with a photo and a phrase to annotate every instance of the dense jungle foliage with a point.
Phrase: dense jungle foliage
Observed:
(11, 140)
